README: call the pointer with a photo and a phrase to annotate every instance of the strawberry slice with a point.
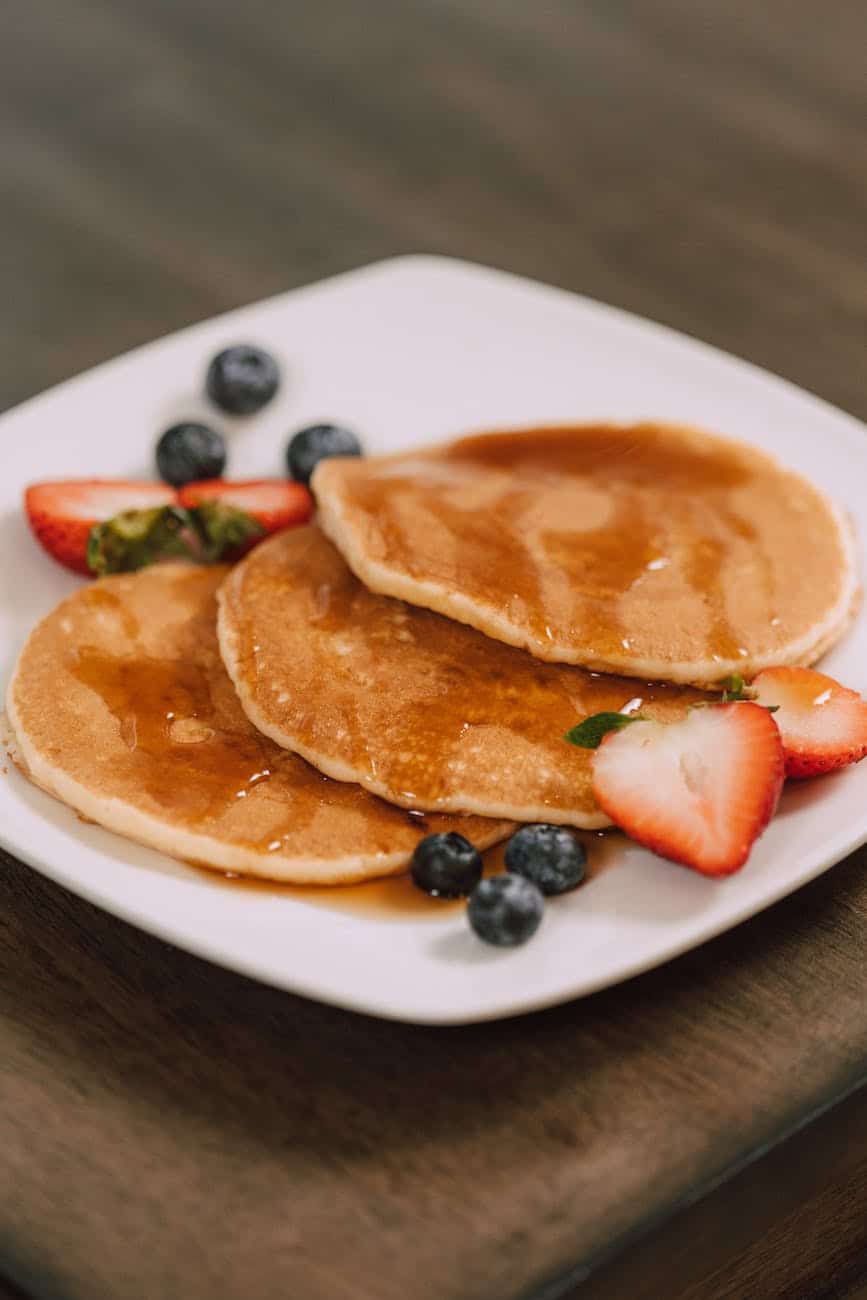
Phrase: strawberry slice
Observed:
(823, 724)
(61, 514)
(699, 791)
(274, 503)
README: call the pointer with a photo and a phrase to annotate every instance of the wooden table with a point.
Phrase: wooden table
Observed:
(169, 1129)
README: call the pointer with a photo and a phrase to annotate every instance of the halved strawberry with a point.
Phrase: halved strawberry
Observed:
(61, 514)
(699, 791)
(274, 503)
(823, 724)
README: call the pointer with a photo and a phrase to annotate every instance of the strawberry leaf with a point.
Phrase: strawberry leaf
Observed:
(134, 539)
(590, 733)
(224, 529)
(735, 688)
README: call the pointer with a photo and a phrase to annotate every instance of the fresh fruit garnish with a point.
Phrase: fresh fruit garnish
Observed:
(210, 533)
(505, 910)
(189, 452)
(590, 733)
(318, 442)
(134, 539)
(242, 379)
(446, 865)
(271, 503)
(552, 857)
(62, 514)
(823, 724)
(699, 791)
(735, 688)
(226, 533)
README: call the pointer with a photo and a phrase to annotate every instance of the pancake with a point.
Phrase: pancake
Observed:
(414, 707)
(121, 707)
(650, 550)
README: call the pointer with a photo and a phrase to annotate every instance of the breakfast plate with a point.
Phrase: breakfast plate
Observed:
(410, 352)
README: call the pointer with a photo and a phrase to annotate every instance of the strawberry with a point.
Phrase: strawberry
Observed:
(823, 724)
(274, 503)
(698, 791)
(62, 514)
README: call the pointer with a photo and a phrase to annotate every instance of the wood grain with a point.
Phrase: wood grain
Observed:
(171, 1129)
(178, 1127)
(778, 1228)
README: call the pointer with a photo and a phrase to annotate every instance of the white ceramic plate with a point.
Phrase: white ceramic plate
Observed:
(411, 351)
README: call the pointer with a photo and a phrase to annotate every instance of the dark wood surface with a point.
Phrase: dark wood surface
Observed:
(779, 1227)
(171, 1129)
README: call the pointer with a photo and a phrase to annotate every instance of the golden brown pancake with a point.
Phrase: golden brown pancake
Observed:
(416, 708)
(121, 707)
(649, 550)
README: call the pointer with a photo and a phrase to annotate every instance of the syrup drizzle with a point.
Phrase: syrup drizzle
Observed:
(588, 541)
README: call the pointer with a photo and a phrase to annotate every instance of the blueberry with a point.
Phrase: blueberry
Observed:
(446, 865)
(309, 446)
(505, 910)
(242, 379)
(188, 452)
(551, 856)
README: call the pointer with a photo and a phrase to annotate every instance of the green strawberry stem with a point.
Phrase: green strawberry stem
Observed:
(224, 530)
(134, 539)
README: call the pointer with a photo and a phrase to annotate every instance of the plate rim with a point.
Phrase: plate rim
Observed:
(207, 947)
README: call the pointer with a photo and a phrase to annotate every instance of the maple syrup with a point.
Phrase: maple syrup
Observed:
(187, 758)
(396, 897)
(598, 544)
(145, 719)
(419, 707)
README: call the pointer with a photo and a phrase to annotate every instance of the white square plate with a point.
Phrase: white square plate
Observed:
(411, 351)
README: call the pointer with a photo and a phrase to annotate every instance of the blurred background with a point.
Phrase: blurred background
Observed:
(699, 162)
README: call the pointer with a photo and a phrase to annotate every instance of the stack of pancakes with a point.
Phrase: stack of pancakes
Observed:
(410, 663)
